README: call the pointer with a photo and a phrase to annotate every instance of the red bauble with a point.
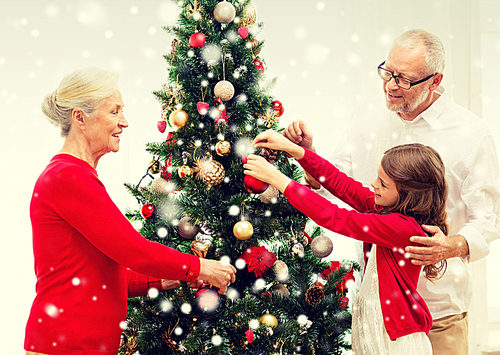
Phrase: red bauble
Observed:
(148, 211)
(162, 126)
(253, 185)
(207, 300)
(244, 159)
(197, 40)
(278, 107)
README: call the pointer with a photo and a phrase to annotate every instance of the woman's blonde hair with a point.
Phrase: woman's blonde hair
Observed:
(419, 175)
(83, 89)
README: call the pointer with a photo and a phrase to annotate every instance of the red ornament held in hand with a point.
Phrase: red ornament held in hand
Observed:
(253, 185)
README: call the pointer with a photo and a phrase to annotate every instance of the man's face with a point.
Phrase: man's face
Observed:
(410, 65)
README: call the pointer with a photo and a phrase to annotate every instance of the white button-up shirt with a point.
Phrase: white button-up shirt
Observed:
(466, 146)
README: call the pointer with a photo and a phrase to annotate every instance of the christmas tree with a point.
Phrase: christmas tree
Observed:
(194, 197)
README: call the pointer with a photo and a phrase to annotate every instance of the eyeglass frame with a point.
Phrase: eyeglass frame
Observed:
(397, 77)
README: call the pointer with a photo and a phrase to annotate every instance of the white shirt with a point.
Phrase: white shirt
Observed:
(466, 146)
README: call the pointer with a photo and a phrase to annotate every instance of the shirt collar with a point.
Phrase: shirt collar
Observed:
(433, 111)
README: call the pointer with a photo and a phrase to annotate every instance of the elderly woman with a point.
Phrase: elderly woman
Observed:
(88, 257)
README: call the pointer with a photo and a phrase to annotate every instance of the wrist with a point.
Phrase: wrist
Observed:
(461, 247)
(297, 152)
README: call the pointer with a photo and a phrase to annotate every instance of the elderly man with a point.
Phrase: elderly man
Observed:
(418, 111)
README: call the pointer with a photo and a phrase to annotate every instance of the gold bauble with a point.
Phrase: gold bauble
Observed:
(161, 185)
(211, 171)
(224, 12)
(178, 118)
(243, 230)
(154, 166)
(269, 319)
(322, 246)
(184, 171)
(222, 148)
(224, 89)
(249, 15)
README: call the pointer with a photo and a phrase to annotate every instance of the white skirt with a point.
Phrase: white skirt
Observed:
(369, 336)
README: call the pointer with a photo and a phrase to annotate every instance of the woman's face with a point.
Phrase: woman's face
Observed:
(386, 193)
(105, 125)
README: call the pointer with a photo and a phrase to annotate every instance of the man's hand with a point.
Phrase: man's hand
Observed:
(169, 284)
(299, 133)
(437, 248)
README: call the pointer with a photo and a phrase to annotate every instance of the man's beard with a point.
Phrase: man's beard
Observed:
(407, 107)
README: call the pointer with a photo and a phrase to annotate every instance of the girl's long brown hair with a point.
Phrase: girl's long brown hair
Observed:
(419, 175)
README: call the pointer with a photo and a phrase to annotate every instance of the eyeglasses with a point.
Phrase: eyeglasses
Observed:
(401, 82)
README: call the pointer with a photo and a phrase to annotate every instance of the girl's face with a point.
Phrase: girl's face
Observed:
(386, 193)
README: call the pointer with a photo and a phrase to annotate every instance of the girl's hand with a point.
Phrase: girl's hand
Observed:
(273, 140)
(270, 139)
(261, 169)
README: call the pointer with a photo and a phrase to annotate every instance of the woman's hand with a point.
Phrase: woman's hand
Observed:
(217, 274)
(261, 169)
(273, 140)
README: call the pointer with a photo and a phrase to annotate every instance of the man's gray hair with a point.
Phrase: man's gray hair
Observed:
(432, 45)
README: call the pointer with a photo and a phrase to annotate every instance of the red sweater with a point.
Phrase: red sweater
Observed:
(82, 246)
(404, 311)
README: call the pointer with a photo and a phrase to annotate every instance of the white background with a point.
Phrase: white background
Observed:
(324, 54)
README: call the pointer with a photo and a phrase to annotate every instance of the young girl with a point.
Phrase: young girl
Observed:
(389, 316)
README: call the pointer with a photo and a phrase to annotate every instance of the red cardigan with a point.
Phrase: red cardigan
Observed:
(404, 310)
(83, 246)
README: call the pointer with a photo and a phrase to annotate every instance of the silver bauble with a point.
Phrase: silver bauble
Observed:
(224, 12)
(322, 246)
(186, 229)
(161, 185)
(224, 89)
(280, 271)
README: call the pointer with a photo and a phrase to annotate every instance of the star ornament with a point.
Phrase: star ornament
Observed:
(194, 10)
(258, 260)
(268, 119)
(173, 93)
